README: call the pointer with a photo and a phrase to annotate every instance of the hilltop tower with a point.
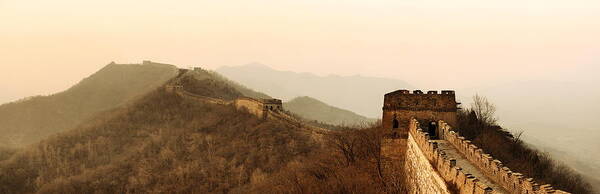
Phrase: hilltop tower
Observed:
(402, 105)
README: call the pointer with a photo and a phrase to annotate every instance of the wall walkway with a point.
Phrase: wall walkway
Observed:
(466, 168)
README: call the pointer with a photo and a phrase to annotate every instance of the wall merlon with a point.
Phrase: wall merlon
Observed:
(481, 188)
(470, 184)
(447, 91)
(460, 179)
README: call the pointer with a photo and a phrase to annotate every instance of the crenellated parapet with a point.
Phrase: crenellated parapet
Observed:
(492, 168)
(438, 153)
(446, 166)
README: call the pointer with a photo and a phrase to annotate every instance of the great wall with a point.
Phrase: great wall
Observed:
(436, 160)
(261, 108)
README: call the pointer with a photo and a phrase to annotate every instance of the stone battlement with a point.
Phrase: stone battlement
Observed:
(419, 92)
(513, 182)
(402, 105)
(258, 107)
(419, 101)
(446, 167)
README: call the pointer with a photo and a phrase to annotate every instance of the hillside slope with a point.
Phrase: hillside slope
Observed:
(202, 74)
(359, 94)
(28, 121)
(313, 109)
(161, 143)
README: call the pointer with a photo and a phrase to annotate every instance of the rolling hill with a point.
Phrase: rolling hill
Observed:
(30, 120)
(160, 143)
(313, 109)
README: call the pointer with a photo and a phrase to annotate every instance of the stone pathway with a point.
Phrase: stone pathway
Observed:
(466, 166)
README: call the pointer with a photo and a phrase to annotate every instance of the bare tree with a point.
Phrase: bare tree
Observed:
(484, 110)
(346, 144)
(371, 142)
(517, 137)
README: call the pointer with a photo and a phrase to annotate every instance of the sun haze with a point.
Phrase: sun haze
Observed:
(468, 42)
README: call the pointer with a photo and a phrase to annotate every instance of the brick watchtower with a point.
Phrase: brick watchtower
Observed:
(401, 105)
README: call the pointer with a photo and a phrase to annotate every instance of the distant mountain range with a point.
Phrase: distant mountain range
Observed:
(359, 94)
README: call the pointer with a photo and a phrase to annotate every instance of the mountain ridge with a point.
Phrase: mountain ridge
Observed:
(358, 94)
(31, 119)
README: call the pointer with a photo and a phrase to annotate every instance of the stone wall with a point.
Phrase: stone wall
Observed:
(258, 107)
(253, 106)
(422, 177)
(445, 167)
(178, 89)
(511, 181)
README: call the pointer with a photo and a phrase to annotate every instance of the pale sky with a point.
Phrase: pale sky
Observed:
(47, 46)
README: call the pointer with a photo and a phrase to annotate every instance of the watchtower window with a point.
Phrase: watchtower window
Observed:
(395, 124)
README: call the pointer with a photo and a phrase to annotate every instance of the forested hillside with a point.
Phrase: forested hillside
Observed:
(30, 120)
(161, 143)
(166, 143)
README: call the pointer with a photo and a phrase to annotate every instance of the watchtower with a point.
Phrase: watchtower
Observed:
(402, 105)
(272, 104)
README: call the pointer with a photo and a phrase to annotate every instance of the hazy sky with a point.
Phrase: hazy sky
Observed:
(47, 46)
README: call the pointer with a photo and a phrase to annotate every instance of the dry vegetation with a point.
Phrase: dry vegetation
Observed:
(5, 153)
(478, 124)
(165, 143)
(351, 162)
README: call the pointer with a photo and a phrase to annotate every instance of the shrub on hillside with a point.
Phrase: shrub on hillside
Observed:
(350, 162)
